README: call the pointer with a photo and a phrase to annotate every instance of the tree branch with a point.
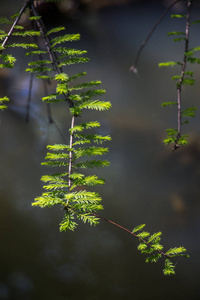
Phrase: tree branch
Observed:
(15, 22)
(180, 82)
(70, 153)
(134, 66)
(47, 42)
(119, 226)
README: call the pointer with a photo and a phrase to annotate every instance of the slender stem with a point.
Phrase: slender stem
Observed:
(128, 231)
(15, 22)
(46, 39)
(70, 153)
(134, 67)
(52, 54)
(54, 60)
(121, 227)
(45, 82)
(180, 82)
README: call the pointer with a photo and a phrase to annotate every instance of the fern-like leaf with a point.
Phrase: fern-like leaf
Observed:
(169, 268)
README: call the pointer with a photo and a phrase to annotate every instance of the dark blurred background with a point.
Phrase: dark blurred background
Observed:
(145, 183)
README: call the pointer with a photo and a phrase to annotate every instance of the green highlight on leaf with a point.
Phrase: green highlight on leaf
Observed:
(55, 30)
(154, 237)
(178, 16)
(169, 268)
(23, 45)
(172, 138)
(176, 33)
(63, 77)
(9, 61)
(177, 251)
(189, 112)
(27, 33)
(179, 39)
(195, 22)
(168, 104)
(169, 64)
(138, 228)
(153, 258)
(34, 18)
(188, 81)
(65, 38)
(2, 105)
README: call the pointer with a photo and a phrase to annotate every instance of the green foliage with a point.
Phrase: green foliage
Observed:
(26, 33)
(178, 16)
(2, 104)
(68, 186)
(172, 252)
(169, 268)
(174, 136)
(8, 61)
(168, 104)
(138, 228)
(150, 245)
(189, 112)
(169, 64)
(176, 33)
(63, 188)
(4, 20)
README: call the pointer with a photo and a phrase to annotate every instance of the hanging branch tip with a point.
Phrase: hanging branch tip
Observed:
(133, 69)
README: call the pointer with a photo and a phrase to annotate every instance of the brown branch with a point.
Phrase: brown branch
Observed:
(119, 226)
(128, 231)
(15, 22)
(47, 42)
(180, 82)
(54, 60)
(134, 66)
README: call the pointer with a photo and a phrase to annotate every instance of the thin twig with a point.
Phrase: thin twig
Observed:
(15, 22)
(119, 226)
(128, 231)
(70, 153)
(134, 66)
(45, 82)
(54, 60)
(46, 39)
(180, 82)
(52, 54)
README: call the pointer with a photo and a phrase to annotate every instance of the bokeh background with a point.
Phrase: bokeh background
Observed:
(145, 183)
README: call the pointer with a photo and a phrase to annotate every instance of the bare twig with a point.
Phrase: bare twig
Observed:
(119, 226)
(134, 66)
(15, 22)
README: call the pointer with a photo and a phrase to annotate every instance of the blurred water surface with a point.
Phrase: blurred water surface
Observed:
(146, 182)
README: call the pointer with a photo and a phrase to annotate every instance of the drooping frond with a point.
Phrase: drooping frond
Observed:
(65, 38)
(8, 61)
(150, 246)
(3, 106)
(66, 188)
